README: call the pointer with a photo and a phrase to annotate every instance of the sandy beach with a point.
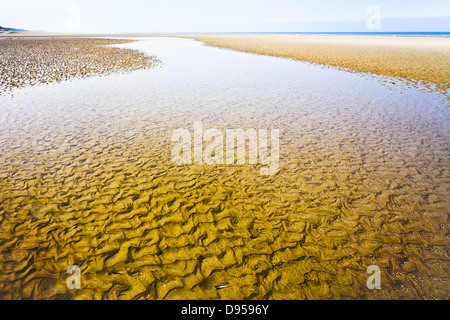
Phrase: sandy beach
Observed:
(87, 179)
(418, 58)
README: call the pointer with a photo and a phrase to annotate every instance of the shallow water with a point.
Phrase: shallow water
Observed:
(86, 179)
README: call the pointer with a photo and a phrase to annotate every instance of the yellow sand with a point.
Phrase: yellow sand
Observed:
(140, 227)
(417, 58)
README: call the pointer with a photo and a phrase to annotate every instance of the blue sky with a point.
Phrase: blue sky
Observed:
(224, 15)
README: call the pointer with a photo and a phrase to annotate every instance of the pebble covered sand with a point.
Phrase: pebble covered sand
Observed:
(420, 59)
(31, 61)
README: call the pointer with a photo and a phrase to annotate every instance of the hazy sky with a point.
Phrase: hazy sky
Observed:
(226, 15)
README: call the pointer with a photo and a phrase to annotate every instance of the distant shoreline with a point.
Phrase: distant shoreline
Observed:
(151, 34)
(402, 34)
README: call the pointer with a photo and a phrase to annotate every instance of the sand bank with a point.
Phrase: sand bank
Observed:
(30, 61)
(417, 58)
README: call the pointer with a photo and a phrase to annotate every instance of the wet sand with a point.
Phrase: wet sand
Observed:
(417, 58)
(39, 60)
(86, 179)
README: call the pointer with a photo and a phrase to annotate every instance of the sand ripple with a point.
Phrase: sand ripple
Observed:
(140, 227)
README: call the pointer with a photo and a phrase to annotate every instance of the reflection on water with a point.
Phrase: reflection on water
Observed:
(86, 179)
